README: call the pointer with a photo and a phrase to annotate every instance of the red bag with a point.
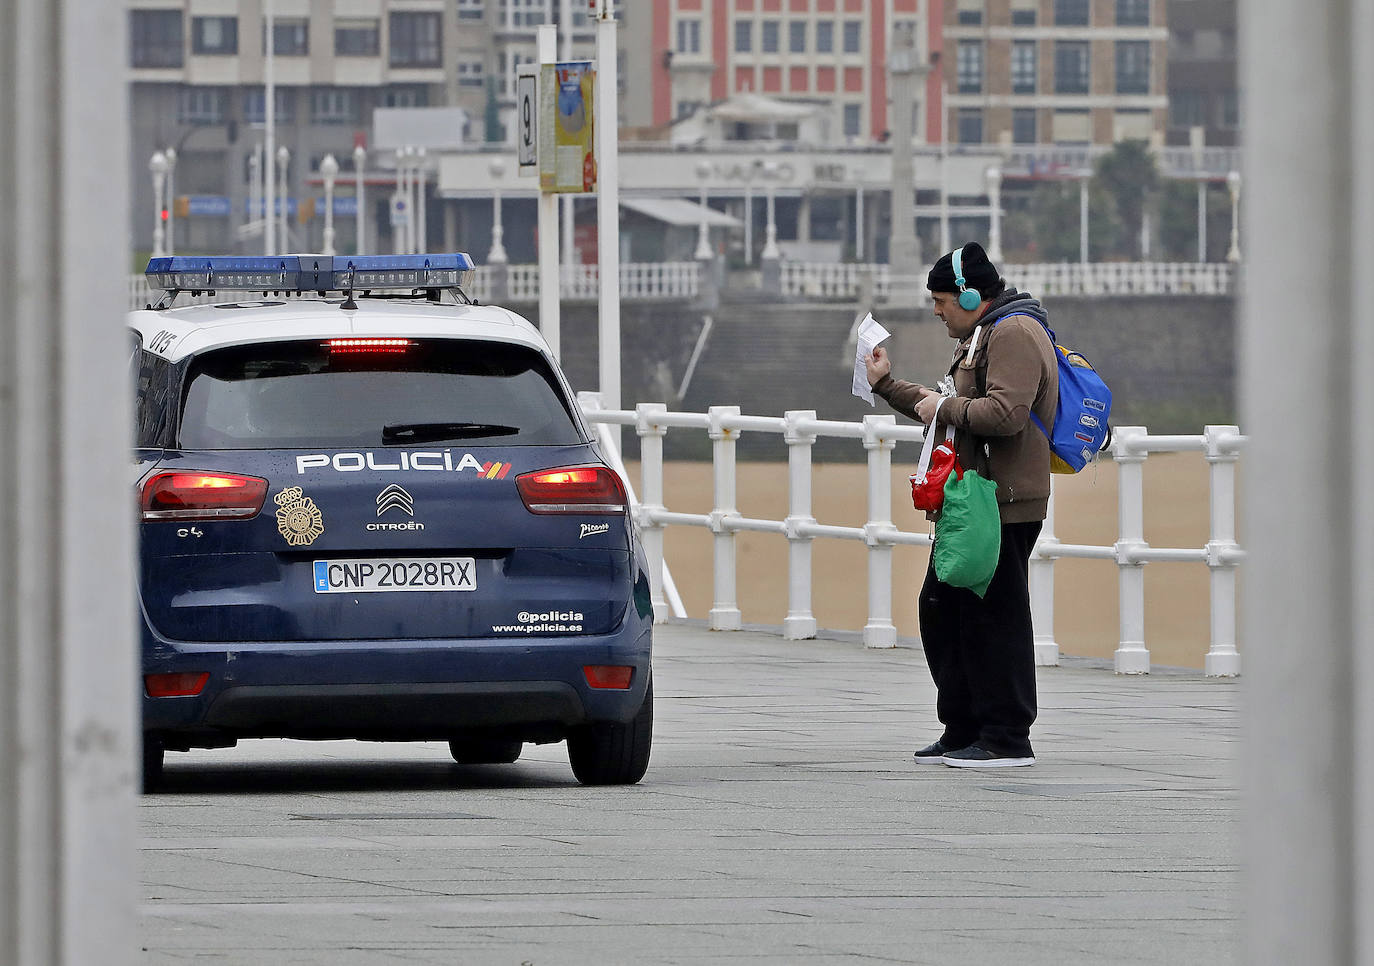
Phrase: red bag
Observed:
(937, 462)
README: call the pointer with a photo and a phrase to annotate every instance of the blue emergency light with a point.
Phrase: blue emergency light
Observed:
(309, 273)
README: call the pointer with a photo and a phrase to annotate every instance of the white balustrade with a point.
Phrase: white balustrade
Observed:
(879, 434)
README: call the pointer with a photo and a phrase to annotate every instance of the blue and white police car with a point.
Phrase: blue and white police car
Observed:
(370, 509)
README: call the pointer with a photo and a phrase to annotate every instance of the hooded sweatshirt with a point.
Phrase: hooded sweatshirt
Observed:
(1010, 373)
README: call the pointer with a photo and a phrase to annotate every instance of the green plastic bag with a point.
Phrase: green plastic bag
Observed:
(968, 533)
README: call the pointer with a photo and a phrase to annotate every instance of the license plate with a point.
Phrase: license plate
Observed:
(388, 574)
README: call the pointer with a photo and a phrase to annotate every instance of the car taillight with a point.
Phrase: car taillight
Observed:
(188, 495)
(355, 346)
(572, 489)
(182, 684)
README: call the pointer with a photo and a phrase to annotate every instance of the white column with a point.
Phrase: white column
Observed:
(68, 662)
(879, 631)
(157, 166)
(800, 622)
(1132, 657)
(770, 237)
(360, 217)
(549, 287)
(1223, 660)
(497, 254)
(329, 170)
(1041, 580)
(608, 211)
(724, 615)
(1308, 760)
(649, 426)
(269, 108)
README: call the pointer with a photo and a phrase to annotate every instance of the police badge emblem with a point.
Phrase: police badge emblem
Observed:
(298, 518)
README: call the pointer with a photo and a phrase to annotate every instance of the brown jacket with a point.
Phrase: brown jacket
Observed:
(1013, 371)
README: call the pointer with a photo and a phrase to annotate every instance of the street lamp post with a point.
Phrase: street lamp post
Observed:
(170, 205)
(329, 169)
(994, 179)
(255, 209)
(1233, 184)
(283, 159)
(420, 186)
(770, 243)
(157, 165)
(400, 242)
(703, 251)
(497, 255)
(359, 163)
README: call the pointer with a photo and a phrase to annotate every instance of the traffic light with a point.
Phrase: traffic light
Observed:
(162, 213)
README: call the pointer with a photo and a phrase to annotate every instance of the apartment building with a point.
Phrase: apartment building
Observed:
(1070, 72)
(197, 72)
(1203, 91)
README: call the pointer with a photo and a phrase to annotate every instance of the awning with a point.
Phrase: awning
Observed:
(678, 211)
(756, 108)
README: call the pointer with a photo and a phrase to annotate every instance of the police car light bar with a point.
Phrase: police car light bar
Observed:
(310, 273)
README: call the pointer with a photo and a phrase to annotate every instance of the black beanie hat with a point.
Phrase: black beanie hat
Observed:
(979, 273)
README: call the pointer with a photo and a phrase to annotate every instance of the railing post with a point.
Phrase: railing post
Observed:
(1132, 657)
(651, 431)
(1042, 590)
(1223, 660)
(724, 614)
(879, 631)
(800, 623)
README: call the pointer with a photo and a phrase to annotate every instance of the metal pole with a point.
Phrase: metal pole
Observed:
(254, 189)
(1233, 185)
(283, 161)
(649, 425)
(859, 224)
(549, 286)
(1132, 657)
(269, 107)
(68, 664)
(329, 169)
(421, 203)
(157, 164)
(567, 202)
(1202, 219)
(879, 631)
(724, 615)
(770, 238)
(607, 122)
(800, 622)
(359, 217)
(703, 251)
(398, 232)
(497, 254)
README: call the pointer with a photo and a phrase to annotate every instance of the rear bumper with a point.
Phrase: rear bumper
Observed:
(531, 689)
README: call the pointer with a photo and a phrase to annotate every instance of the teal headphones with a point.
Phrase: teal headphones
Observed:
(969, 298)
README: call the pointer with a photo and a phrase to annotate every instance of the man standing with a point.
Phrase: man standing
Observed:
(981, 650)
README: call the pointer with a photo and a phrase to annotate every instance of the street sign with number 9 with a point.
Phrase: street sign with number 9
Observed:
(527, 121)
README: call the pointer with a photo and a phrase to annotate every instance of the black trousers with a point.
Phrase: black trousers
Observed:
(981, 652)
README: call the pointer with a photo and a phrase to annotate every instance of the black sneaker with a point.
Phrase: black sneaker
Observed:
(976, 756)
(933, 753)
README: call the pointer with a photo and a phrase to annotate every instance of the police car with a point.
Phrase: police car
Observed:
(369, 508)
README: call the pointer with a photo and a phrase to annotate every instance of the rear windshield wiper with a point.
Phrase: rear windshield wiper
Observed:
(433, 432)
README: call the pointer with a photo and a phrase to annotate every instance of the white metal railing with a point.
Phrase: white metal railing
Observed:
(830, 280)
(879, 434)
(641, 281)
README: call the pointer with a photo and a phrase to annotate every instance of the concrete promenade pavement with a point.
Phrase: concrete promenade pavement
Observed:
(782, 821)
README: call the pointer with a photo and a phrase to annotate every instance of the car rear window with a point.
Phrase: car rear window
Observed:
(425, 391)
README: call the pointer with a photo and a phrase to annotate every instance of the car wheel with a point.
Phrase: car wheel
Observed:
(152, 762)
(485, 751)
(610, 753)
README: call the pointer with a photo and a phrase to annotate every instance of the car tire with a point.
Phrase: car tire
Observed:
(485, 751)
(611, 753)
(152, 762)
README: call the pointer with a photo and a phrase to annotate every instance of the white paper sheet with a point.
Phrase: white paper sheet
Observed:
(871, 333)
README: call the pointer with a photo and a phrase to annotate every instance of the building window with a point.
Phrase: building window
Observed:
(1073, 127)
(290, 37)
(404, 96)
(283, 108)
(687, 108)
(1023, 12)
(155, 38)
(333, 105)
(415, 39)
(214, 35)
(969, 66)
(744, 36)
(1071, 13)
(1187, 108)
(825, 37)
(769, 35)
(1132, 13)
(523, 13)
(201, 105)
(1023, 126)
(853, 36)
(853, 117)
(1024, 66)
(1132, 67)
(1071, 67)
(970, 12)
(470, 9)
(357, 38)
(796, 36)
(471, 73)
(689, 36)
(970, 125)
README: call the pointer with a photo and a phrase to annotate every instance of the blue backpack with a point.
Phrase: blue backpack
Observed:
(1080, 429)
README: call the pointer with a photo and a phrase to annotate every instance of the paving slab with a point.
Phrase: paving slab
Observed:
(782, 820)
